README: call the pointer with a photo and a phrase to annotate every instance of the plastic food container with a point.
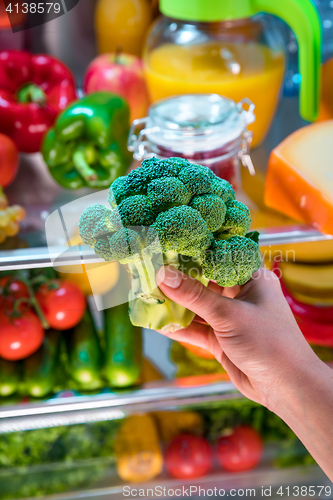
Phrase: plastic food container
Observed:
(207, 129)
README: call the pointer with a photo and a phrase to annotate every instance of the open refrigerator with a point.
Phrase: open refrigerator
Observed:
(63, 448)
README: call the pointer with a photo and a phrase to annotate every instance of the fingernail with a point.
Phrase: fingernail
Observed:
(169, 276)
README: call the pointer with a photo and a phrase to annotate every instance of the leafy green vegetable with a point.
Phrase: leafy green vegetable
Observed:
(79, 454)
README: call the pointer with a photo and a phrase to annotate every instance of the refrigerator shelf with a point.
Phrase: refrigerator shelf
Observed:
(153, 396)
(45, 197)
(41, 257)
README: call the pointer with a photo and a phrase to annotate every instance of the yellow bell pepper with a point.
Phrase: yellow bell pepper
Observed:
(137, 449)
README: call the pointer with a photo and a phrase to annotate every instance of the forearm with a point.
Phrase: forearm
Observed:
(305, 403)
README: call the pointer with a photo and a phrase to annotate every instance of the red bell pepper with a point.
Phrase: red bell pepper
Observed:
(34, 89)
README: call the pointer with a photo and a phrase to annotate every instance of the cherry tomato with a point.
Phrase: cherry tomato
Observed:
(64, 306)
(241, 450)
(17, 289)
(9, 160)
(188, 457)
(20, 337)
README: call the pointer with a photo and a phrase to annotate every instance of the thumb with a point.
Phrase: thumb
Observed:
(193, 295)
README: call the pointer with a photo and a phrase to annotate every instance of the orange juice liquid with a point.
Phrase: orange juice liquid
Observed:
(235, 70)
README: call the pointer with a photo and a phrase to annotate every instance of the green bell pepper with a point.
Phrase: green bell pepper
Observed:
(88, 144)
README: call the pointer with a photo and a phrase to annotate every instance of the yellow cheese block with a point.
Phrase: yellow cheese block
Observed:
(313, 280)
(313, 299)
(308, 251)
(299, 180)
(264, 217)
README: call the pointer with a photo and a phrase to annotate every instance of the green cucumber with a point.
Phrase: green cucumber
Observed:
(10, 377)
(84, 354)
(123, 348)
(40, 368)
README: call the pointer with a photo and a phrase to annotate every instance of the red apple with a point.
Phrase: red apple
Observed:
(120, 74)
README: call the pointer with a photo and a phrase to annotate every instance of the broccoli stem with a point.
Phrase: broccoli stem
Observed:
(146, 272)
(149, 307)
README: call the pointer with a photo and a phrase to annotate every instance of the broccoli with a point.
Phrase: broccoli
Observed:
(232, 261)
(167, 192)
(183, 230)
(211, 208)
(237, 221)
(136, 211)
(177, 213)
(223, 189)
(95, 222)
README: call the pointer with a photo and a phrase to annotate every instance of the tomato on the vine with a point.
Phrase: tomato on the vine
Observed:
(62, 306)
(16, 288)
(19, 336)
(188, 457)
(242, 450)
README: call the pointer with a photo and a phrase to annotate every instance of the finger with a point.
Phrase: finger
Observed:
(193, 295)
(230, 292)
(199, 335)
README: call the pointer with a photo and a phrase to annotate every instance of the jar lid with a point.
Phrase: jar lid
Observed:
(197, 122)
(208, 10)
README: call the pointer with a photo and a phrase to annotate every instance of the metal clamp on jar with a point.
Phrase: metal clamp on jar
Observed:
(207, 129)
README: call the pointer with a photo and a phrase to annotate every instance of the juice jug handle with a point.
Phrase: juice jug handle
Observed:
(303, 18)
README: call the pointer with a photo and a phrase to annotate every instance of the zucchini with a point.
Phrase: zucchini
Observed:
(40, 368)
(10, 377)
(84, 354)
(123, 348)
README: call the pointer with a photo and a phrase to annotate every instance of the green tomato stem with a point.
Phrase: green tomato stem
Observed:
(83, 167)
(33, 301)
(31, 93)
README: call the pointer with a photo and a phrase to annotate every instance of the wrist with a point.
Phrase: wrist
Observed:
(304, 376)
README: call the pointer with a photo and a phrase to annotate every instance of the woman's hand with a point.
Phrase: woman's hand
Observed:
(250, 330)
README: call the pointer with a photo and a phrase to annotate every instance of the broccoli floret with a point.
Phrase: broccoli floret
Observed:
(94, 222)
(245, 257)
(136, 211)
(125, 245)
(223, 189)
(102, 248)
(196, 178)
(119, 190)
(211, 208)
(177, 164)
(166, 193)
(151, 169)
(169, 211)
(237, 221)
(231, 262)
(183, 230)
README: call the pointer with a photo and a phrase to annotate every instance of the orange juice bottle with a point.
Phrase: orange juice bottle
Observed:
(215, 46)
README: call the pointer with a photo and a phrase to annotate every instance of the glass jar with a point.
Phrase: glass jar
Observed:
(207, 129)
(229, 48)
